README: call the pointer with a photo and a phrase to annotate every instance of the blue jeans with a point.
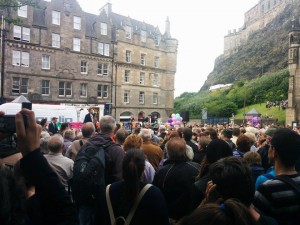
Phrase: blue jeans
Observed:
(86, 215)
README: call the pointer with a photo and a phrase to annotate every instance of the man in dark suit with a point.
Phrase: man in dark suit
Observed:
(53, 127)
(90, 116)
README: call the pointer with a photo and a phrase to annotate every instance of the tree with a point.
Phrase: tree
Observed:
(8, 5)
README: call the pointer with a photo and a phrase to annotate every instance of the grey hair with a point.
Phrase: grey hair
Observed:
(145, 134)
(107, 124)
(56, 143)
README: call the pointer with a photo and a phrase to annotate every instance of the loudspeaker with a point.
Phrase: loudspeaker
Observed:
(185, 116)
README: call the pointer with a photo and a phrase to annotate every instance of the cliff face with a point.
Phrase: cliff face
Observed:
(265, 51)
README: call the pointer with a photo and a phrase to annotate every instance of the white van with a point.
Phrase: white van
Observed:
(64, 113)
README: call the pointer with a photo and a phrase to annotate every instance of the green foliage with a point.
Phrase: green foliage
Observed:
(269, 87)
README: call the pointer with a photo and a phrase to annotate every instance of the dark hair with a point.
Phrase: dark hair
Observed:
(13, 198)
(121, 135)
(287, 145)
(212, 133)
(43, 122)
(187, 133)
(236, 131)
(228, 213)
(133, 168)
(64, 126)
(88, 129)
(243, 143)
(233, 179)
(216, 149)
(227, 133)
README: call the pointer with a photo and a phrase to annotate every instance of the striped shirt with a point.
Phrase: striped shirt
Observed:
(279, 200)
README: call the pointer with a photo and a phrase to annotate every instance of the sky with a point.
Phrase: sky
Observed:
(199, 27)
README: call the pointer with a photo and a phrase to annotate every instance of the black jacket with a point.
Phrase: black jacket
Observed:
(55, 203)
(53, 128)
(176, 180)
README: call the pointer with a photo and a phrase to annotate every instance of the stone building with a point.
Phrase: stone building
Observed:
(60, 54)
(255, 19)
(293, 110)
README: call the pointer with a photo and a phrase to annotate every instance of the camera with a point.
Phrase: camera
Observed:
(8, 122)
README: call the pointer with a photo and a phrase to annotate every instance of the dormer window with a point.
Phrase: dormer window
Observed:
(103, 28)
(77, 23)
(55, 17)
(143, 36)
(128, 31)
(22, 11)
(156, 40)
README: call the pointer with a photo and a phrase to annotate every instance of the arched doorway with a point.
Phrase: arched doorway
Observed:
(125, 116)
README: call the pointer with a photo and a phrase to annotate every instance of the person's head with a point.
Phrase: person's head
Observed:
(243, 130)
(64, 126)
(54, 119)
(187, 133)
(132, 141)
(236, 131)
(176, 148)
(88, 129)
(137, 130)
(121, 135)
(213, 134)
(226, 134)
(56, 143)
(233, 179)
(216, 149)
(252, 158)
(285, 147)
(44, 122)
(133, 167)
(44, 144)
(69, 134)
(261, 140)
(203, 142)
(243, 143)
(146, 134)
(107, 125)
(251, 136)
(228, 213)
(162, 128)
(91, 110)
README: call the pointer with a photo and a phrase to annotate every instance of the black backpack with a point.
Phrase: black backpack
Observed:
(89, 173)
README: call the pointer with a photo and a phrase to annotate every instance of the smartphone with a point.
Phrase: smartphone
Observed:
(8, 123)
(27, 105)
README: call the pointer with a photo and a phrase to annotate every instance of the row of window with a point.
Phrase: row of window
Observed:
(23, 34)
(22, 12)
(155, 78)
(143, 59)
(20, 86)
(126, 97)
(22, 59)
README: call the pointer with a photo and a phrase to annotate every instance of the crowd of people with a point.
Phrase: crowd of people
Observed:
(198, 174)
